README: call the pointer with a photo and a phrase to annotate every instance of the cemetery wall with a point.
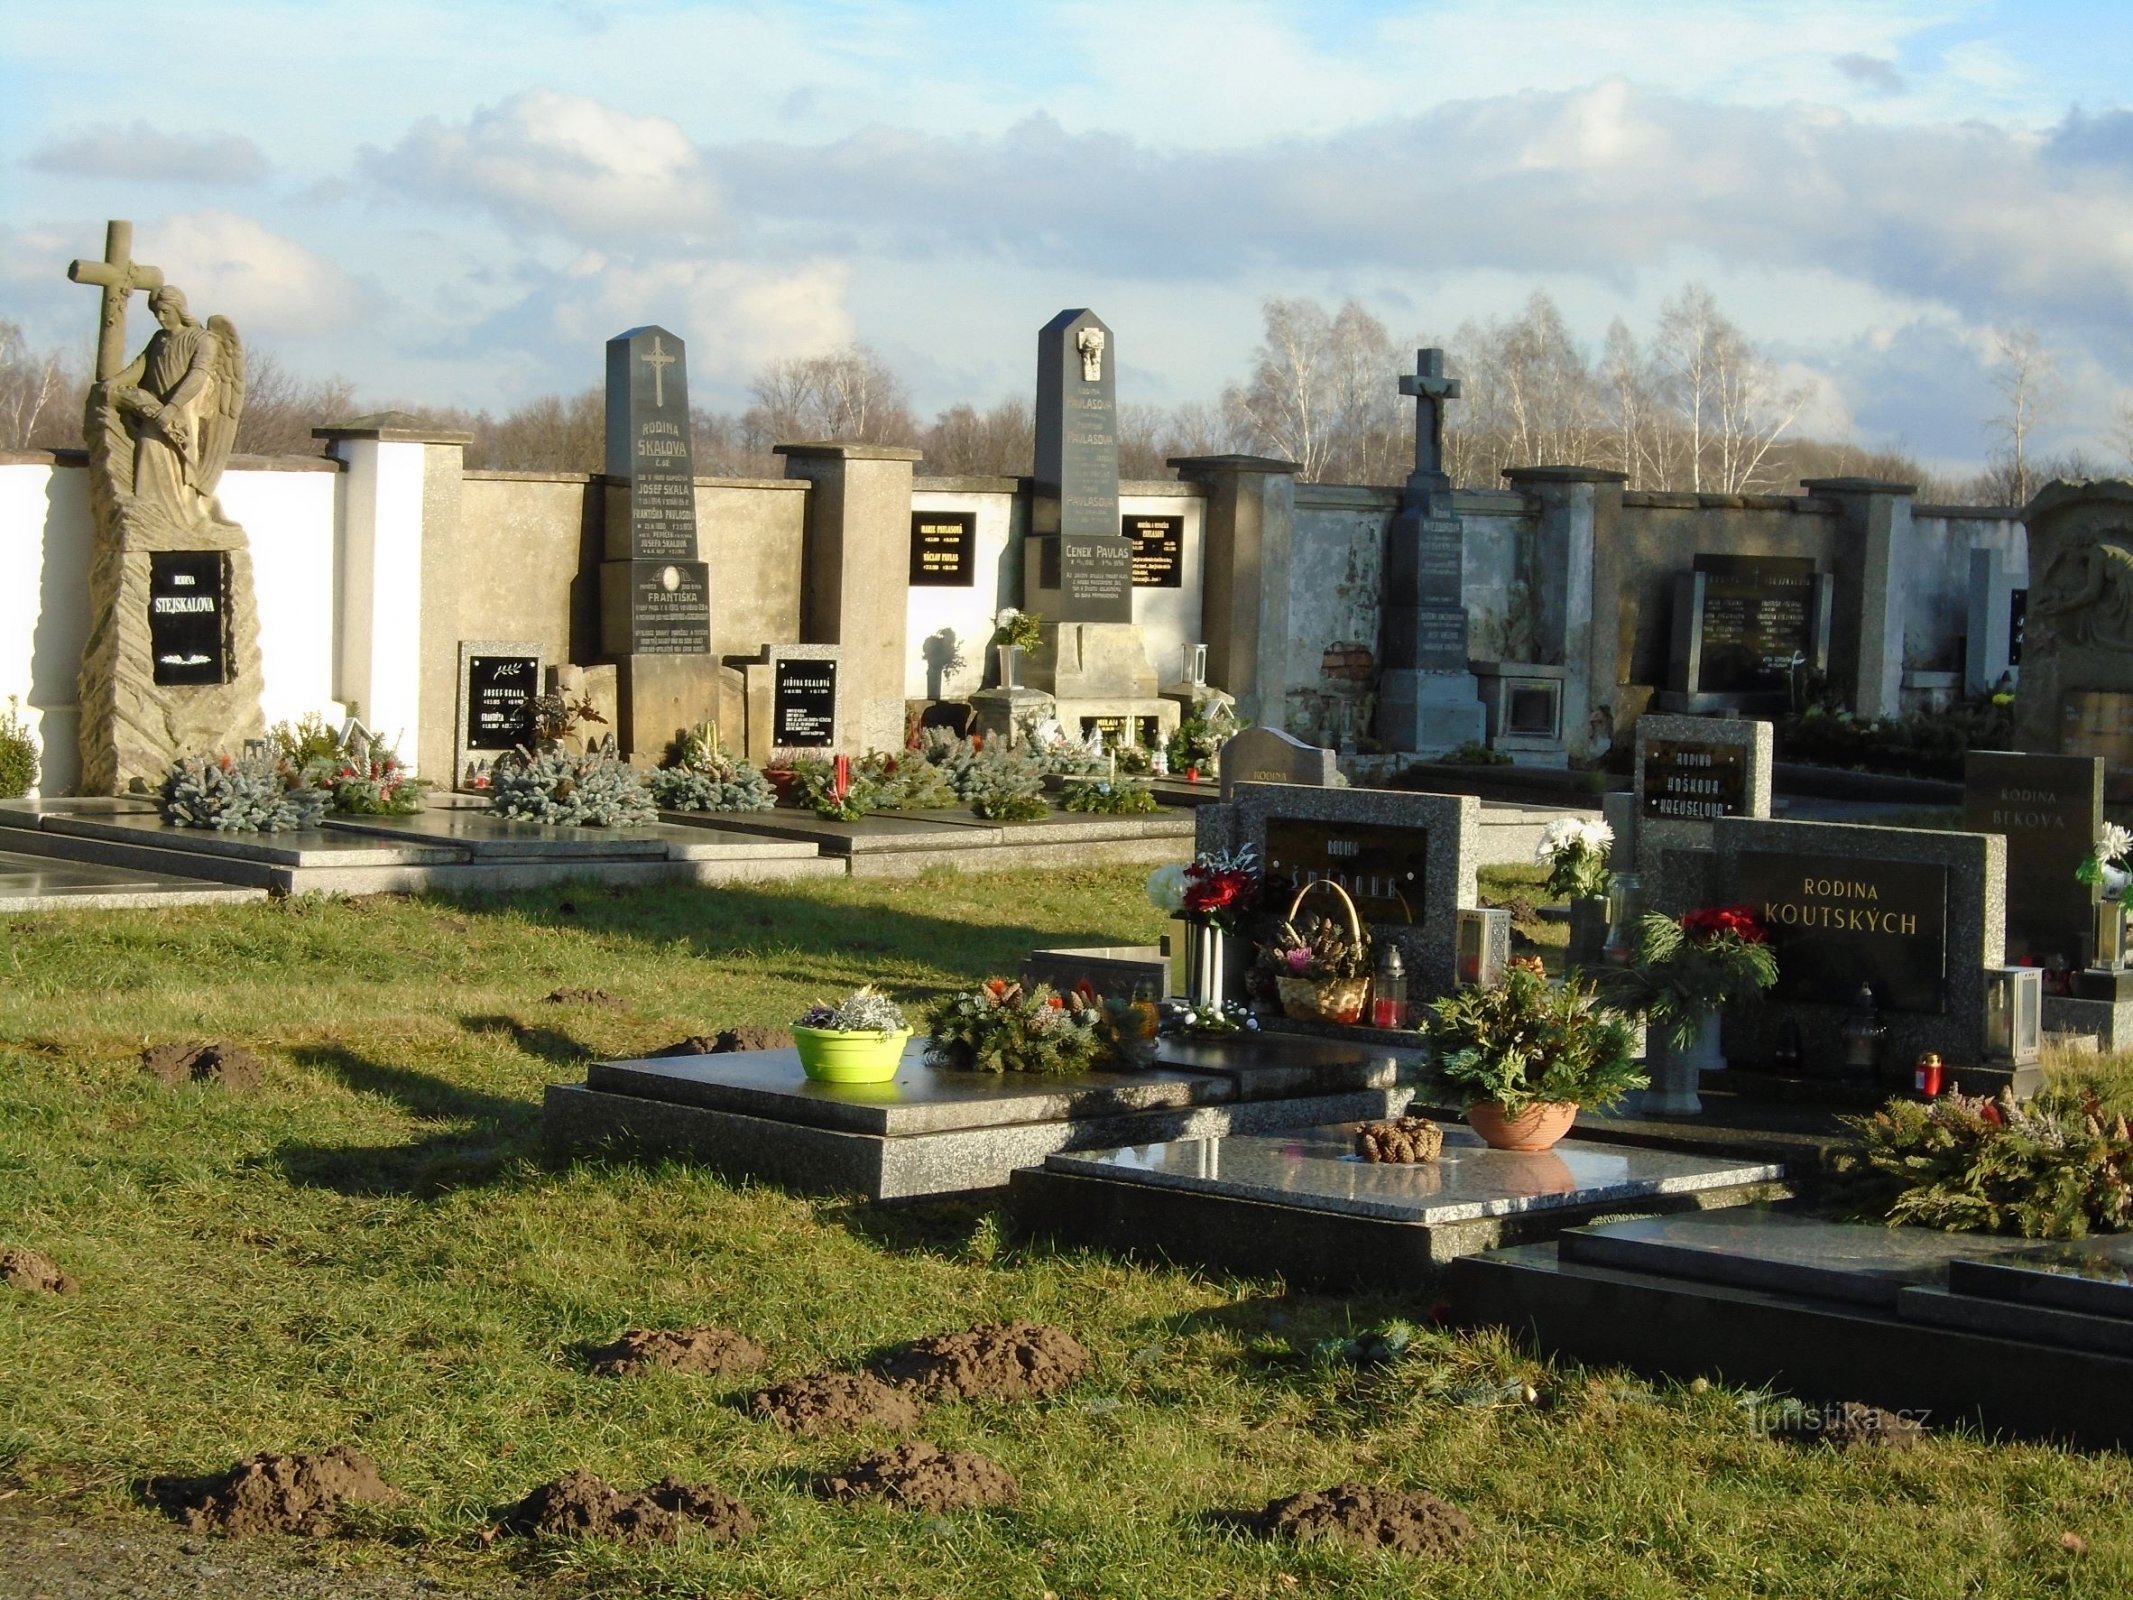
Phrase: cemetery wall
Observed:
(1937, 575)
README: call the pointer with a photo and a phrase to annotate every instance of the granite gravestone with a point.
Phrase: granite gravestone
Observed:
(1268, 755)
(2050, 808)
(1747, 629)
(655, 595)
(498, 679)
(1077, 468)
(1834, 925)
(1158, 551)
(803, 698)
(1690, 772)
(1429, 701)
(188, 593)
(944, 549)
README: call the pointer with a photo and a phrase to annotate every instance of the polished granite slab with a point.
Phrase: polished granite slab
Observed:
(1754, 1247)
(486, 836)
(1316, 1169)
(895, 832)
(299, 847)
(33, 883)
(2093, 1276)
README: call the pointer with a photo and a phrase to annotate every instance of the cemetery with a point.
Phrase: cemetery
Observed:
(426, 1054)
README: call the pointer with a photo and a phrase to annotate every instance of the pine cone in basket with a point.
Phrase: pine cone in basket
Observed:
(1403, 1139)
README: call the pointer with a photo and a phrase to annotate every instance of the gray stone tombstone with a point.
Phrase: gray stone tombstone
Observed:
(1117, 972)
(1998, 614)
(1690, 771)
(1744, 628)
(655, 595)
(498, 679)
(1077, 468)
(1429, 701)
(2050, 809)
(1268, 755)
(1408, 861)
(1917, 915)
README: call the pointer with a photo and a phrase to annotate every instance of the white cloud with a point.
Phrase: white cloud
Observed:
(560, 162)
(143, 154)
(232, 266)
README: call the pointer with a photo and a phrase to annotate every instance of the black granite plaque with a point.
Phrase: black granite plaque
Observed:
(2017, 614)
(648, 443)
(1158, 551)
(944, 547)
(188, 591)
(1836, 923)
(1077, 466)
(1379, 864)
(499, 709)
(670, 609)
(1759, 612)
(2050, 808)
(803, 703)
(1688, 780)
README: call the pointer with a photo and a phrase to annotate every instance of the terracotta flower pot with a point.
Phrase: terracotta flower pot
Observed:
(1538, 1127)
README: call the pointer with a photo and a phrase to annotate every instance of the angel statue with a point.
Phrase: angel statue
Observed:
(179, 400)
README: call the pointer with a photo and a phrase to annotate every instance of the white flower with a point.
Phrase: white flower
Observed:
(2113, 845)
(1570, 836)
(1166, 889)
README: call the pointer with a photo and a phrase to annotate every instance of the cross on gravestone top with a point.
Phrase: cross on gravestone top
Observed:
(1430, 388)
(118, 276)
(658, 360)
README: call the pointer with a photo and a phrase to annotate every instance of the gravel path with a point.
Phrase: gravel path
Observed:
(52, 1553)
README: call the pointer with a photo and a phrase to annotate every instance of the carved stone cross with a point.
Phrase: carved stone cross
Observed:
(658, 360)
(1430, 389)
(118, 277)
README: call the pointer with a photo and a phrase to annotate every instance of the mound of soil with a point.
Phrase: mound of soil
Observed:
(1403, 1139)
(993, 1361)
(1405, 1520)
(35, 1271)
(232, 1066)
(580, 1505)
(729, 1040)
(1853, 1425)
(836, 1402)
(271, 1493)
(924, 1477)
(692, 1350)
(584, 997)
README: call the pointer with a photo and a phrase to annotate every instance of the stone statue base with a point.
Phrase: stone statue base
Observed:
(1429, 713)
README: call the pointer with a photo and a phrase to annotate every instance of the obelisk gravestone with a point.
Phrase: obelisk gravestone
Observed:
(1428, 701)
(655, 595)
(1077, 468)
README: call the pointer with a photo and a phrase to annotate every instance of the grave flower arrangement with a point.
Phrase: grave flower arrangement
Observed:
(699, 775)
(1002, 1027)
(240, 794)
(1685, 968)
(1108, 797)
(1021, 629)
(1202, 732)
(1319, 965)
(563, 788)
(368, 780)
(18, 753)
(2109, 863)
(1215, 889)
(1208, 1018)
(860, 1039)
(1526, 1055)
(1574, 850)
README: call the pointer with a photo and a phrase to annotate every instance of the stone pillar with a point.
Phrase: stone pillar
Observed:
(855, 578)
(1866, 644)
(397, 665)
(1251, 518)
(1570, 504)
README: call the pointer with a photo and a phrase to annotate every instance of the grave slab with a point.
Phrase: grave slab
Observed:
(485, 836)
(43, 883)
(931, 1131)
(327, 846)
(2009, 1319)
(2093, 1276)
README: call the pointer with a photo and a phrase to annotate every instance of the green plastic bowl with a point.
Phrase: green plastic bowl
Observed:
(830, 1055)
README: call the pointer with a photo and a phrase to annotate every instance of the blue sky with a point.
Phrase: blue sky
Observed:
(458, 203)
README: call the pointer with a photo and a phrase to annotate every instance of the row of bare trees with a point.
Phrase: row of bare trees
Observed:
(1692, 406)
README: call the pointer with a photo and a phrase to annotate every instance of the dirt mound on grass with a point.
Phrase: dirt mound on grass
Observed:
(271, 1493)
(1404, 1140)
(34, 1271)
(696, 1351)
(836, 1402)
(231, 1066)
(729, 1040)
(1406, 1520)
(924, 1477)
(993, 1361)
(580, 1505)
(1853, 1425)
(584, 997)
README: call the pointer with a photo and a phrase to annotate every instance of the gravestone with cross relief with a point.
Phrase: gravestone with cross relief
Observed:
(1429, 700)
(655, 595)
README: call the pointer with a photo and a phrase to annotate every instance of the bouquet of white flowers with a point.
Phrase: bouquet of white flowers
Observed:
(1574, 850)
(2107, 866)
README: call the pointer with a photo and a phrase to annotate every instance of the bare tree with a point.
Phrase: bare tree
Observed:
(40, 401)
(998, 442)
(1726, 396)
(1323, 393)
(849, 395)
(1532, 399)
(281, 409)
(2025, 375)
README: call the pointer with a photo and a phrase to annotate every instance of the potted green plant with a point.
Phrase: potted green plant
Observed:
(1683, 971)
(1528, 1054)
(859, 1040)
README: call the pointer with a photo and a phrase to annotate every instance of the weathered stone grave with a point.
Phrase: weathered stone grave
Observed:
(1747, 629)
(1998, 613)
(2049, 809)
(2077, 654)
(1690, 772)
(1268, 755)
(1117, 971)
(655, 595)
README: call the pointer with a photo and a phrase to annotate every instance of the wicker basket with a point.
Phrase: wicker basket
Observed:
(1325, 999)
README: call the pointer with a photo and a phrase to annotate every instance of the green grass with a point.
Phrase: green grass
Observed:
(371, 1249)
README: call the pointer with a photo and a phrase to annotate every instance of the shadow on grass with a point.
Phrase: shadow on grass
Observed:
(551, 1045)
(491, 1134)
(943, 1229)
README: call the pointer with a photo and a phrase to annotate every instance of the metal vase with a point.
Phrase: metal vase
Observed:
(1674, 1071)
(1010, 659)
